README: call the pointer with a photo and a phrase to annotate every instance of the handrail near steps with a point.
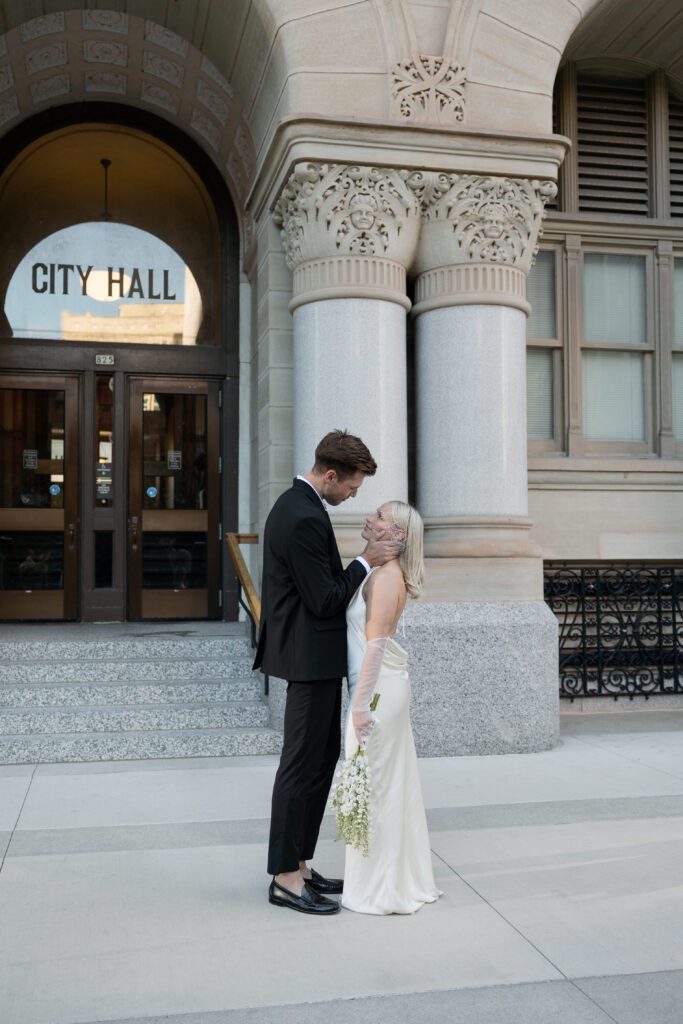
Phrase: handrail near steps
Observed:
(246, 591)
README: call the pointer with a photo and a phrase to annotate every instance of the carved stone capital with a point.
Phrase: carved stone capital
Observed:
(472, 223)
(429, 89)
(348, 231)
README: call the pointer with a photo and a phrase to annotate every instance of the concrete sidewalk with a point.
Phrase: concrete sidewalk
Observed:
(136, 891)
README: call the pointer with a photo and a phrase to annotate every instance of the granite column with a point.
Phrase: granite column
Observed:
(349, 233)
(492, 628)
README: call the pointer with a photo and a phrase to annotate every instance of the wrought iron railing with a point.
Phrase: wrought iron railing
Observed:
(621, 627)
(246, 591)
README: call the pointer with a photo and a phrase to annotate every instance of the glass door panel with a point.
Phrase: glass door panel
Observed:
(38, 498)
(174, 549)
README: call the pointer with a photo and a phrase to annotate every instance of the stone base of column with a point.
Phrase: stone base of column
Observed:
(485, 677)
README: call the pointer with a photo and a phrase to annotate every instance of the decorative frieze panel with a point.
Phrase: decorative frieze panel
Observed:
(212, 71)
(207, 128)
(158, 66)
(9, 109)
(163, 37)
(105, 21)
(43, 26)
(6, 78)
(242, 145)
(53, 56)
(101, 51)
(428, 88)
(234, 169)
(47, 88)
(212, 101)
(159, 97)
(105, 81)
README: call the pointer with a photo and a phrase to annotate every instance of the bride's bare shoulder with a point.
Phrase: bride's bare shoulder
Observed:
(388, 578)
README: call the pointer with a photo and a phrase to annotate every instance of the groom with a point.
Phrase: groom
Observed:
(304, 595)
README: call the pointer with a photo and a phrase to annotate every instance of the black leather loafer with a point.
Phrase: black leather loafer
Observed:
(310, 902)
(325, 886)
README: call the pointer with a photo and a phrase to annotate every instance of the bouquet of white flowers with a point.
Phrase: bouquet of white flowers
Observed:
(351, 799)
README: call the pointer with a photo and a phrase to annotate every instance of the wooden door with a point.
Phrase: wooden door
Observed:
(174, 545)
(38, 497)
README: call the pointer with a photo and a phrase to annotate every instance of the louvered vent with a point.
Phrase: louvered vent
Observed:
(676, 154)
(612, 146)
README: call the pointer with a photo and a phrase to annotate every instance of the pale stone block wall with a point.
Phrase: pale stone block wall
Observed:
(610, 523)
(273, 331)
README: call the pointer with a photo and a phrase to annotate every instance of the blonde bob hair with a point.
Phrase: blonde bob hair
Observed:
(408, 521)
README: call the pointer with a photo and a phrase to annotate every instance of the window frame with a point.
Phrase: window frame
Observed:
(649, 350)
(657, 236)
(674, 347)
(556, 345)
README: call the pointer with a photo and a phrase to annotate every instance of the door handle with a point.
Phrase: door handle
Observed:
(133, 533)
(71, 536)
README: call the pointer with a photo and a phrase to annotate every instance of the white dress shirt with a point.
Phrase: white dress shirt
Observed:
(358, 558)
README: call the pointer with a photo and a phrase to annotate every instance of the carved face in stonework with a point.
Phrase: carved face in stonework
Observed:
(494, 218)
(363, 211)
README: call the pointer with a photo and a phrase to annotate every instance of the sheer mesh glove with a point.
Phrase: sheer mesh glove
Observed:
(362, 717)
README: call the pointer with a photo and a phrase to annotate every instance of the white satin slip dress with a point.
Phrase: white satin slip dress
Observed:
(396, 877)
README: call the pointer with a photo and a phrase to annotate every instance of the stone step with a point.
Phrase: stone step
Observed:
(126, 746)
(141, 718)
(122, 669)
(132, 692)
(134, 648)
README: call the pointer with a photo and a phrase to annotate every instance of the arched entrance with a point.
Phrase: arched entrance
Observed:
(118, 370)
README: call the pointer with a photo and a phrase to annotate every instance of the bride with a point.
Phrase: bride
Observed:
(397, 876)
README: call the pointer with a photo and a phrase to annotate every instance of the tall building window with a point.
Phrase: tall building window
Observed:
(677, 353)
(614, 344)
(544, 353)
(605, 335)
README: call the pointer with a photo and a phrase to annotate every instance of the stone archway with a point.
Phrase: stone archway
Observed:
(84, 55)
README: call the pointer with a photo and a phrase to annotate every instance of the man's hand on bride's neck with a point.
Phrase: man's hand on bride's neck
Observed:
(381, 549)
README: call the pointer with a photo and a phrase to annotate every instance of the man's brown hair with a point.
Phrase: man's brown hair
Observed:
(345, 454)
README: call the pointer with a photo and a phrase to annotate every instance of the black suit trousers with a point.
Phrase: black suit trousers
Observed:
(310, 751)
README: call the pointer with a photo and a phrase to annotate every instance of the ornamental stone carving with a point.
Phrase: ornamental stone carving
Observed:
(158, 66)
(53, 56)
(212, 101)
(48, 88)
(106, 21)
(159, 97)
(103, 51)
(207, 128)
(426, 88)
(105, 81)
(348, 231)
(479, 237)
(45, 25)
(9, 109)
(163, 37)
(6, 78)
(212, 71)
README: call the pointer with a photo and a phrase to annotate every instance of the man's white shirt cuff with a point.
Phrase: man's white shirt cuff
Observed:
(359, 558)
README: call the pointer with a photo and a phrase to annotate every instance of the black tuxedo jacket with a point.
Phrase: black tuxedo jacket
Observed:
(305, 591)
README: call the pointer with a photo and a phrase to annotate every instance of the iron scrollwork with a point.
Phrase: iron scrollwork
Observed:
(621, 628)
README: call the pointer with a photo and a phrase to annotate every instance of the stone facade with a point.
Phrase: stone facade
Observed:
(386, 161)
